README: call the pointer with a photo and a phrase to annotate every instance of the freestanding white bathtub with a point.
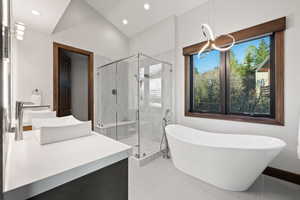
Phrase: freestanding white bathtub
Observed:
(231, 162)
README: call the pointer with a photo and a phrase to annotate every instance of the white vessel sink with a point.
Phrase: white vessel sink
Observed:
(61, 128)
(31, 114)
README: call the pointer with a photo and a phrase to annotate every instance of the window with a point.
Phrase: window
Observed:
(206, 83)
(250, 78)
(155, 85)
(150, 85)
(244, 83)
(155, 92)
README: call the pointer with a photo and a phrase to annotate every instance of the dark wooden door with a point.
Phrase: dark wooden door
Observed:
(65, 107)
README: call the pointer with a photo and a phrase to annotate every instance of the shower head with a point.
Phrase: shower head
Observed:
(147, 76)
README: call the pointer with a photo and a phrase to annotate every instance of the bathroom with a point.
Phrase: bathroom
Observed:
(148, 132)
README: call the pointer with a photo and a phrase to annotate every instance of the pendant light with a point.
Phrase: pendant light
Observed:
(210, 38)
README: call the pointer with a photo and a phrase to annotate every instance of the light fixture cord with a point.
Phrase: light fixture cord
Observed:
(208, 32)
(209, 12)
(213, 17)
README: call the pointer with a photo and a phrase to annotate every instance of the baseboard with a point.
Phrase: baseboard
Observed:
(283, 175)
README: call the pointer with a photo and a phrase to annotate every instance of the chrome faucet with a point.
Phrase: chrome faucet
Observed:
(20, 106)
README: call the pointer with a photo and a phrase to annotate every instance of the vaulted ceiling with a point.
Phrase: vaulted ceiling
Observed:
(138, 18)
(50, 13)
(113, 10)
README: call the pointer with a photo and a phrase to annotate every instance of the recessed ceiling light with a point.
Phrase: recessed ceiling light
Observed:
(147, 6)
(125, 21)
(35, 12)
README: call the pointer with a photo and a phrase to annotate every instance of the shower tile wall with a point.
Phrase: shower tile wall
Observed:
(126, 111)
(169, 56)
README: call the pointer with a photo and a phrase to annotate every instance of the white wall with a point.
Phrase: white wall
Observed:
(80, 26)
(230, 16)
(83, 27)
(155, 40)
(33, 66)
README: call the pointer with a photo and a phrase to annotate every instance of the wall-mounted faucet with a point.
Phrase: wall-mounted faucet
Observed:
(20, 106)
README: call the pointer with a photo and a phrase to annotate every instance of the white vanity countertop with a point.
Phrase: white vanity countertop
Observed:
(33, 168)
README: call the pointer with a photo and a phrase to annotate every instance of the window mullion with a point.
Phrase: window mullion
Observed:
(191, 80)
(227, 83)
(223, 82)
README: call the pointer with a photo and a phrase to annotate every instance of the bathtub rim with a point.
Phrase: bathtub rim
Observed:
(281, 144)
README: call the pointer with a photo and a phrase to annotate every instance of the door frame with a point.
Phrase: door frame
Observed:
(56, 66)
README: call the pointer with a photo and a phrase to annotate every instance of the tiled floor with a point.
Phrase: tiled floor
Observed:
(160, 180)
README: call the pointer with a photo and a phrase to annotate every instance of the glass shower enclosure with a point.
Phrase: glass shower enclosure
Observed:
(133, 96)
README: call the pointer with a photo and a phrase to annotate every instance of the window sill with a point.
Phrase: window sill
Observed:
(260, 120)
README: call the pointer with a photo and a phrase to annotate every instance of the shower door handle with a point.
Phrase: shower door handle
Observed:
(114, 91)
(137, 115)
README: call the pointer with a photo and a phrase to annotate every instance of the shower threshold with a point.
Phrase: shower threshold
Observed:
(150, 150)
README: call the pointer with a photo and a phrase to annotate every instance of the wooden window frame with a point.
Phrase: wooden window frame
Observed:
(277, 27)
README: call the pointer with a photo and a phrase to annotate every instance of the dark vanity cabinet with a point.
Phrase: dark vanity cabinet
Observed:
(109, 183)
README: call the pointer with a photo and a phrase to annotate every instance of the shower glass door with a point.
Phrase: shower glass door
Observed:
(107, 101)
(155, 100)
(127, 103)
